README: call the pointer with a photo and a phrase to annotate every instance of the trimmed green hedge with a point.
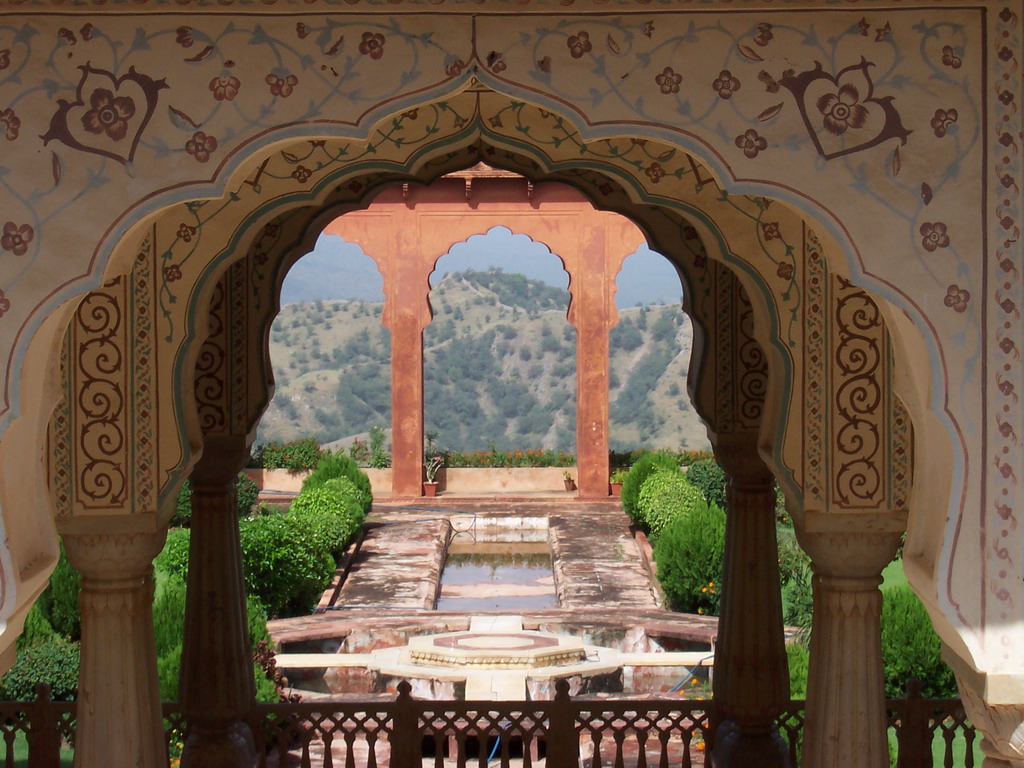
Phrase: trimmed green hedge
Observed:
(689, 556)
(644, 467)
(337, 465)
(665, 496)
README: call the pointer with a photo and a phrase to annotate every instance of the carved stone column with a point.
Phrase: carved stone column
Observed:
(846, 720)
(751, 685)
(119, 698)
(406, 405)
(217, 688)
(591, 313)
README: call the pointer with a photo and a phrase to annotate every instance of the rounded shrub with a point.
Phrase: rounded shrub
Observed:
(644, 467)
(336, 465)
(709, 479)
(284, 567)
(53, 661)
(665, 496)
(689, 557)
(910, 647)
(333, 511)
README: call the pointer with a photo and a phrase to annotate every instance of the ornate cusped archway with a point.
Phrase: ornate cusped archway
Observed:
(754, 149)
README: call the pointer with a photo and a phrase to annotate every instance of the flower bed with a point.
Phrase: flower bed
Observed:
(533, 457)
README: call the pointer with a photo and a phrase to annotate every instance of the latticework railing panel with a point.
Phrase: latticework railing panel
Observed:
(403, 732)
(338, 735)
(670, 734)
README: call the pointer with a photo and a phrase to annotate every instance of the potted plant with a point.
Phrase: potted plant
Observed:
(433, 464)
(435, 459)
(570, 484)
(615, 483)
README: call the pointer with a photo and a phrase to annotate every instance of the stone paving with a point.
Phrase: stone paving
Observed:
(604, 587)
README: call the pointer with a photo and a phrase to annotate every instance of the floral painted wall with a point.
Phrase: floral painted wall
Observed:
(895, 130)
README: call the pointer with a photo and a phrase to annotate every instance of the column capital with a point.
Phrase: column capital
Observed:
(850, 549)
(222, 457)
(738, 455)
(109, 555)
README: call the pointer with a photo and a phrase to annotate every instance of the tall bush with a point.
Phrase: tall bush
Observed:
(795, 580)
(644, 467)
(333, 465)
(37, 628)
(665, 495)
(169, 631)
(707, 476)
(910, 647)
(689, 557)
(59, 601)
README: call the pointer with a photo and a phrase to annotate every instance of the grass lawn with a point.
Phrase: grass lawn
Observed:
(67, 756)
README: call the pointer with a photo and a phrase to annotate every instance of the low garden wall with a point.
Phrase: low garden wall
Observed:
(468, 480)
(461, 480)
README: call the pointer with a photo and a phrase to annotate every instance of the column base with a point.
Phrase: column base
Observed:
(735, 748)
(222, 748)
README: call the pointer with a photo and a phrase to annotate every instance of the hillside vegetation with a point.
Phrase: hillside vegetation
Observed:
(499, 365)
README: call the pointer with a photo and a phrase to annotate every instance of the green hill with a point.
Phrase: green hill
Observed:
(499, 365)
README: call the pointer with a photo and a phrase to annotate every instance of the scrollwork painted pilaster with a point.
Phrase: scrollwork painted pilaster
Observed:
(751, 365)
(100, 384)
(211, 366)
(243, 346)
(102, 434)
(724, 339)
(859, 414)
(901, 451)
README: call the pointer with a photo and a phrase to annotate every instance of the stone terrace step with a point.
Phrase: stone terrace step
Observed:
(598, 564)
(398, 566)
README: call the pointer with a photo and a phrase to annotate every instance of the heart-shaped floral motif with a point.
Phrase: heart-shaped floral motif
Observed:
(109, 114)
(841, 113)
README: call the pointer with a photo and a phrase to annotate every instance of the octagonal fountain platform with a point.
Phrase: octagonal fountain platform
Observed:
(495, 659)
